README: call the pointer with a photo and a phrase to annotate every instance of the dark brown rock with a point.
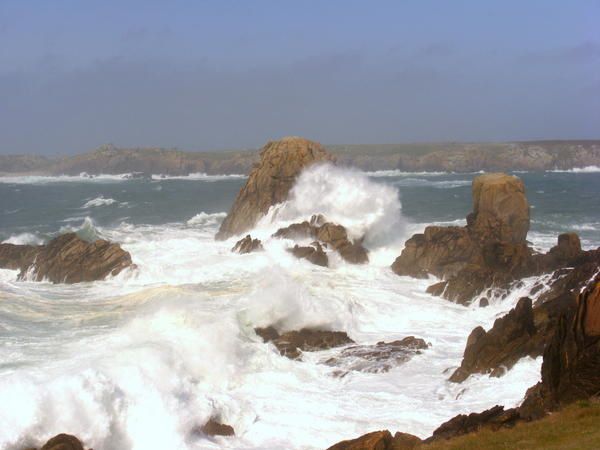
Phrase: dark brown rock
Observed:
(215, 428)
(493, 418)
(511, 338)
(247, 245)
(292, 343)
(379, 440)
(68, 259)
(63, 442)
(313, 253)
(484, 302)
(270, 181)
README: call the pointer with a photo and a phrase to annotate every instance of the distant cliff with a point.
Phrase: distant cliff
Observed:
(442, 157)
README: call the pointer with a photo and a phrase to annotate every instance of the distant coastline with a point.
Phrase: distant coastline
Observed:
(558, 155)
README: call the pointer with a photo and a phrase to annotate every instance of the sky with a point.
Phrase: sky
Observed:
(205, 75)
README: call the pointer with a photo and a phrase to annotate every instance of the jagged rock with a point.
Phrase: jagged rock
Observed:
(333, 235)
(247, 245)
(511, 338)
(493, 418)
(215, 428)
(313, 253)
(270, 181)
(377, 358)
(292, 343)
(571, 367)
(66, 259)
(379, 440)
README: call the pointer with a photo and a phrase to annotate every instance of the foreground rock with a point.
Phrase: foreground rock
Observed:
(377, 358)
(292, 343)
(331, 234)
(66, 259)
(379, 440)
(62, 442)
(313, 253)
(247, 245)
(216, 428)
(270, 181)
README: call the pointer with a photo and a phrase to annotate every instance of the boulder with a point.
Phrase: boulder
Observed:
(292, 343)
(247, 245)
(67, 259)
(63, 442)
(511, 338)
(313, 253)
(215, 428)
(270, 181)
(379, 440)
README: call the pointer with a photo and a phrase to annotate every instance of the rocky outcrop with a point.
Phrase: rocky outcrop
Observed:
(247, 245)
(66, 259)
(331, 234)
(511, 338)
(270, 181)
(490, 251)
(292, 343)
(62, 442)
(571, 367)
(313, 253)
(377, 358)
(215, 428)
(379, 440)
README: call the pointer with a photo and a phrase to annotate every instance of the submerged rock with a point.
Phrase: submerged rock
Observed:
(270, 181)
(247, 245)
(66, 259)
(292, 343)
(377, 358)
(215, 428)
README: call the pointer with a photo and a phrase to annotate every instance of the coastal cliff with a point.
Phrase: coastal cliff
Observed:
(436, 157)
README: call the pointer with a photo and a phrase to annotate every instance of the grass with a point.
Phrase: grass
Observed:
(576, 427)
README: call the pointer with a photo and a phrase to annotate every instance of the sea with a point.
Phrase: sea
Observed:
(142, 359)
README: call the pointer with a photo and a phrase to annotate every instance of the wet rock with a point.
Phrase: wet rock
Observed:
(571, 367)
(377, 358)
(379, 440)
(493, 418)
(63, 442)
(17, 257)
(215, 428)
(331, 234)
(313, 253)
(270, 181)
(247, 245)
(484, 302)
(511, 338)
(68, 259)
(292, 343)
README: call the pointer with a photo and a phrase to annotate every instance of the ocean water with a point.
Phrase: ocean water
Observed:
(139, 360)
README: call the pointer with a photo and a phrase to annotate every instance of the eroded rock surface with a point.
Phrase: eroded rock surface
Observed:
(313, 253)
(66, 259)
(270, 181)
(247, 245)
(292, 343)
(379, 440)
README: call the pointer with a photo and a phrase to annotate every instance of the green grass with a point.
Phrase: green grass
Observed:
(576, 427)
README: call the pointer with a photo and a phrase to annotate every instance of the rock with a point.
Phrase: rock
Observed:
(493, 418)
(292, 343)
(333, 235)
(377, 358)
(500, 208)
(511, 338)
(247, 245)
(215, 428)
(379, 440)
(571, 367)
(568, 247)
(313, 253)
(63, 442)
(484, 302)
(270, 181)
(67, 259)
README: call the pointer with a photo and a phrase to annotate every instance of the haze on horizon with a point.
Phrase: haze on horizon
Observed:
(232, 74)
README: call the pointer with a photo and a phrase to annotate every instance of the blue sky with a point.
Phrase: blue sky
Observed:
(233, 74)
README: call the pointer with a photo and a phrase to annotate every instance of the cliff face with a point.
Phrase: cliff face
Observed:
(439, 157)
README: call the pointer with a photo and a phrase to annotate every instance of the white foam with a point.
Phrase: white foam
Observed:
(98, 201)
(199, 176)
(81, 178)
(587, 169)
(400, 173)
(24, 239)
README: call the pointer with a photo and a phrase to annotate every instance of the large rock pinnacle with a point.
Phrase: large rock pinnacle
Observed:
(270, 181)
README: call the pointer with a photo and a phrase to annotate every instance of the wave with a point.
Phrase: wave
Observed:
(98, 201)
(204, 219)
(400, 173)
(24, 239)
(200, 176)
(81, 178)
(587, 169)
(421, 182)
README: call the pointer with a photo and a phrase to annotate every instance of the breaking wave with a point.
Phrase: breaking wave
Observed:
(98, 201)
